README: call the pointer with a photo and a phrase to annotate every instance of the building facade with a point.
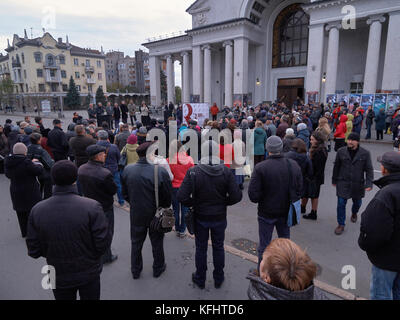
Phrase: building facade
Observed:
(43, 67)
(128, 71)
(252, 51)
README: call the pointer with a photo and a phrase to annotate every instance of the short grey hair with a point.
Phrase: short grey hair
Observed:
(102, 134)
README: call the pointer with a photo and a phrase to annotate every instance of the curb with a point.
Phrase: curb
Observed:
(249, 257)
(376, 142)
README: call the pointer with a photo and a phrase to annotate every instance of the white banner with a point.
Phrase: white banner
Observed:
(46, 106)
(198, 111)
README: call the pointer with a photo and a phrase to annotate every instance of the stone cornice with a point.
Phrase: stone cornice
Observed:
(379, 17)
(167, 41)
(324, 4)
(332, 25)
(221, 26)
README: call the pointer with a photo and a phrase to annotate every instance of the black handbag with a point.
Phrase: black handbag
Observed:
(164, 218)
(123, 160)
(189, 217)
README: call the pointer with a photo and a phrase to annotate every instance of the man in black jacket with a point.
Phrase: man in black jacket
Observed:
(209, 188)
(57, 141)
(352, 176)
(101, 114)
(269, 187)
(72, 233)
(138, 188)
(97, 183)
(124, 112)
(35, 151)
(380, 231)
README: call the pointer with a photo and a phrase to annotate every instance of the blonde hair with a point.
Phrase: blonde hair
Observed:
(324, 126)
(287, 265)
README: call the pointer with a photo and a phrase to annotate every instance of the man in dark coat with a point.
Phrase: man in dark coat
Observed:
(97, 183)
(91, 112)
(124, 112)
(138, 187)
(116, 115)
(369, 121)
(209, 188)
(110, 112)
(79, 144)
(57, 141)
(380, 231)
(72, 233)
(24, 187)
(35, 151)
(269, 187)
(352, 175)
(101, 114)
(111, 163)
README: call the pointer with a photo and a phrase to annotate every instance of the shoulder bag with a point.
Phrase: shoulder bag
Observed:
(294, 209)
(123, 160)
(164, 219)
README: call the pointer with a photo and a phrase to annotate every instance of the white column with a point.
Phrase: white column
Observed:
(170, 79)
(155, 83)
(374, 46)
(241, 66)
(228, 73)
(207, 74)
(333, 57)
(198, 70)
(315, 58)
(391, 71)
(185, 78)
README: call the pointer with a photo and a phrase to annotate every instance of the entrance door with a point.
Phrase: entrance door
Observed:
(290, 89)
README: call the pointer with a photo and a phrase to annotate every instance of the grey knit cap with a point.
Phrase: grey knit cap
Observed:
(274, 144)
(20, 148)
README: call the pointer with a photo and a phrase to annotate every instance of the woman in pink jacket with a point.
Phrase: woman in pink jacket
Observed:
(180, 163)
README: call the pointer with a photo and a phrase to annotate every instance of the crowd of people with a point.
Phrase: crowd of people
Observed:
(63, 186)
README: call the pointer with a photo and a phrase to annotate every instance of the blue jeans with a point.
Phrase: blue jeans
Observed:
(117, 180)
(202, 232)
(368, 131)
(385, 285)
(180, 225)
(341, 209)
(265, 230)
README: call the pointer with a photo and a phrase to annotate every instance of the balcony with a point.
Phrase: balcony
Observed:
(55, 79)
(90, 81)
(16, 64)
(18, 81)
(89, 69)
(51, 66)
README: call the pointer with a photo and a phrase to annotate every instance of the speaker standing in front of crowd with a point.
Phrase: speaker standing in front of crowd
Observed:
(24, 187)
(72, 233)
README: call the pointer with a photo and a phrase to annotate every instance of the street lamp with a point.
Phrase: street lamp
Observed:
(258, 82)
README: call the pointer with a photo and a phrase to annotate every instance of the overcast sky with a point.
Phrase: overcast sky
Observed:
(114, 24)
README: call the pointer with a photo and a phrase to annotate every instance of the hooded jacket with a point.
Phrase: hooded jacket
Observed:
(305, 136)
(341, 129)
(261, 290)
(214, 188)
(260, 138)
(131, 154)
(179, 166)
(349, 125)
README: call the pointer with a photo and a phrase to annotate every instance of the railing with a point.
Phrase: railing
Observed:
(16, 65)
(89, 69)
(51, 66)
(53, 79)
(90, 81)
(167, 36)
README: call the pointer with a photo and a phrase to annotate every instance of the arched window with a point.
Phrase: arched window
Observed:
(23, 58)
(50, 61)
(290, 47)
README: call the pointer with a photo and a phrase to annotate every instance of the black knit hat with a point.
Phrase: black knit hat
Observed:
(64, 173)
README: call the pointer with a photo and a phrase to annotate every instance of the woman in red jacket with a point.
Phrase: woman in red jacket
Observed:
(180, 163)
(340, 133)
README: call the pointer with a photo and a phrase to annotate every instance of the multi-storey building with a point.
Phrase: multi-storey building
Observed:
(43, 67)
(128, 71)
